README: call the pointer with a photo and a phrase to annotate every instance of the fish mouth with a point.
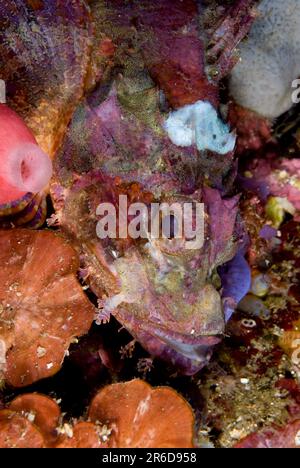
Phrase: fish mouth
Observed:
(188, 353)
(194, 348)
(197, 352)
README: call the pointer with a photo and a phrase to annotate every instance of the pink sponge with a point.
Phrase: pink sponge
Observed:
(24, 167)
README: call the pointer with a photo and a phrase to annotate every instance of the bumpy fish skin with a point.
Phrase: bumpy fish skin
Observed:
(175, 310)
(116, 144)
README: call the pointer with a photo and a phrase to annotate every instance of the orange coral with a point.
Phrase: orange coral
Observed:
(82, 435)
(42, 410)
(42, 305)
(29, 421)
(18, 432)
(123, 415)
(144, 417)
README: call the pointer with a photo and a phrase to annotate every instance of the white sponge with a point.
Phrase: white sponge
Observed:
(270, 60)
(200, 124)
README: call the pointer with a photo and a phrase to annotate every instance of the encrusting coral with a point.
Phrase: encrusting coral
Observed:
(122, 415)
(42, 305)
(274, 437)
(276, 181)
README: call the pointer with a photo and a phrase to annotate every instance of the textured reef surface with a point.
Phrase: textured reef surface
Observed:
(159, 103)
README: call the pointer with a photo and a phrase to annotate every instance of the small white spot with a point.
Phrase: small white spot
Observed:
(41, 352)
(31, 417)
(142, 409)
(244, 381)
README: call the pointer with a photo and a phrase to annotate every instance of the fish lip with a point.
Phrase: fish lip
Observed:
(194, 352)
(162, 340)
(188, 339)
(195, 348)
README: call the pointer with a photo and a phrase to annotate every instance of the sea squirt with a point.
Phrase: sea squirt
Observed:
(25, 169)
